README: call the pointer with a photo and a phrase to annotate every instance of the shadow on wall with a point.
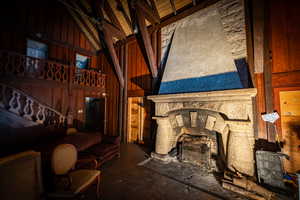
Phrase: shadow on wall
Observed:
(143, 82)
(162, 65)
(244, 73)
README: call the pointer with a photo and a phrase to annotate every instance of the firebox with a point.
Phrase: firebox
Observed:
(200, 150)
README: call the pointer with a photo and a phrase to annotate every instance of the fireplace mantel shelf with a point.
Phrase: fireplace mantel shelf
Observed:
(224, 95)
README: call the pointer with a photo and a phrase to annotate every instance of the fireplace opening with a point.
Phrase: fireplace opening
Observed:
(202, 148)
(197, 150)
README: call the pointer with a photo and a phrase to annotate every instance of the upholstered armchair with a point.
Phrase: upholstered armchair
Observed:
(20, 176)
(68, 181)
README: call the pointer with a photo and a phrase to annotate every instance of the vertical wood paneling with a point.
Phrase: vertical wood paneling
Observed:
(139, 77)
(285, 49)
(261, 106)
(49, 22)
(112, 91)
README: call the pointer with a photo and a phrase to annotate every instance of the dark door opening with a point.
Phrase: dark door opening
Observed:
(95, 114)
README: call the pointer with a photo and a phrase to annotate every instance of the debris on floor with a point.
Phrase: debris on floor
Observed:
(242, 185)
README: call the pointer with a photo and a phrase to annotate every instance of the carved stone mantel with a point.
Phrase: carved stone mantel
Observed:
(228, 112)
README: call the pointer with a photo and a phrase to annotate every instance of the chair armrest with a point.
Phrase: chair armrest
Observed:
(87, 163)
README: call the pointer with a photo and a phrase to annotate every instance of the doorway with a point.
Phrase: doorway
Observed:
(139, 120)
(95, 114)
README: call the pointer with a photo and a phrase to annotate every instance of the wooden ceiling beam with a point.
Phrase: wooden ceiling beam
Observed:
(154, 8)
(86, 6)
(146, 41)
(108, 42)
(87, 22)
(121, 8)
(140, 10)
(89, 33)
(110, 13)
(106, 32)
(172, 2)
(184, 12)
(148, 12)
(114, 31)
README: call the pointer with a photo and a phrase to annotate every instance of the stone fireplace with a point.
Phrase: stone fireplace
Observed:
(207, 128)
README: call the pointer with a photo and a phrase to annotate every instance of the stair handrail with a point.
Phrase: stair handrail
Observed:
(29, 108)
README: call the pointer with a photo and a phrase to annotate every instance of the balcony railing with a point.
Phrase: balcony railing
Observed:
(18, 65)
(90, 78)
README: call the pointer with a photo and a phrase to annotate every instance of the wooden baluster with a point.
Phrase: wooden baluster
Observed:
(88, 78)
(14, 103)
(28, 109)
(40, 69)
(82, 77)
(41, 113)
(94, 79)
(29, 66)
(49, 72)
(63, 73)
(57, 73)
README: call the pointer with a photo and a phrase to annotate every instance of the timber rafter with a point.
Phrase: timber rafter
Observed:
(98, 29)
(141, 11)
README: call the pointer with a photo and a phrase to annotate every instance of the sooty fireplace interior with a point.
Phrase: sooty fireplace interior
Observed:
(199, 149)
(194, 143)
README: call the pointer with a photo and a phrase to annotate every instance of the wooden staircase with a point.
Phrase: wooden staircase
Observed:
(18, 109)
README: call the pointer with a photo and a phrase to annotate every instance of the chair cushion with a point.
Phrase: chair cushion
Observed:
(82, 178)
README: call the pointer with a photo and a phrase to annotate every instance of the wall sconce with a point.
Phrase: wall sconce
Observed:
(39, 35)
(104, 94)
(80, 111)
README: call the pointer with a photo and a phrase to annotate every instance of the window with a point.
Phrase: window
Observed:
(36, 49)
(82, 62)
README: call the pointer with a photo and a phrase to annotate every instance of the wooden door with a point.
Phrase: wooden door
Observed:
(290, 123)
(285, 51)
(138, 120)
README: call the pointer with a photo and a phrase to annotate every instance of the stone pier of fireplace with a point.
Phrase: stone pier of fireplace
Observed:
(207, 124)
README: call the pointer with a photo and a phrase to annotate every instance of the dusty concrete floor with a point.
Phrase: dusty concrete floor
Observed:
(122, 179)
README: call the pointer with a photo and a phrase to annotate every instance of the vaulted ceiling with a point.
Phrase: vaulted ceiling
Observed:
(164, 8)
(106, 21)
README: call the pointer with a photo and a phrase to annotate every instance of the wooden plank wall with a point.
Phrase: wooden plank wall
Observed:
(49, 22)
(46, 21)
(284, 59)
(112, 95)
(139, 84)
(139, 76)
